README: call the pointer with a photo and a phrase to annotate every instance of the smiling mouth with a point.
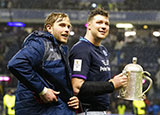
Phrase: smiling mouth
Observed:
(102, 32)
(65, 35)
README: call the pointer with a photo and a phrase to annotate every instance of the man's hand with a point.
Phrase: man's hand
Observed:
(119, 80)
(73, 102)
(49, 96)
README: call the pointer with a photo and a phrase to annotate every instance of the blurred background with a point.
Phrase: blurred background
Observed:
(134, 32)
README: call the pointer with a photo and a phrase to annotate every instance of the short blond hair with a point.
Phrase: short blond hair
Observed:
(52, 17)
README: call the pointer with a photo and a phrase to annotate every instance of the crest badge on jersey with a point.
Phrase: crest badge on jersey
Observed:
(77, 65)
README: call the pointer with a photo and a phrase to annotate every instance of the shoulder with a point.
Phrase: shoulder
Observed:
(39, 39)
(81, 50)
(81, 46)
(36, 44)
(32, 39)
(103, 48)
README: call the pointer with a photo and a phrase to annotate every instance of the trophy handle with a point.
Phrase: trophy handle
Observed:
(150, 80)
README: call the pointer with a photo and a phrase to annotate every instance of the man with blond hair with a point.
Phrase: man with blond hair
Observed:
(42, 68)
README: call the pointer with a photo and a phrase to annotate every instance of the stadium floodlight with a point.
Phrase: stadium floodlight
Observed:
(4, 78)
(72, 33)
(156, 33)
(130, 33)
(94, 5)
(145, 26)
(16, 24)
(124, 25)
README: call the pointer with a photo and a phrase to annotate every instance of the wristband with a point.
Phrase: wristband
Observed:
(44, 91)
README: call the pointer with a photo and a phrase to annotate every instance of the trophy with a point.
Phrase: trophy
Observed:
(135, 73)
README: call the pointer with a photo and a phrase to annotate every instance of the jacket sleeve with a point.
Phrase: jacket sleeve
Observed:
(23, 63)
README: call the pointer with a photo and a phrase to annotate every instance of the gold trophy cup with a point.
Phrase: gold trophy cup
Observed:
(133, 91)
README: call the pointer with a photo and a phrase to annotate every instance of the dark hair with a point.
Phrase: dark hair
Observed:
(97, 11)
(52, 17)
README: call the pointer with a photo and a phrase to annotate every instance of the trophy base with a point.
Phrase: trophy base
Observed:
(129, 98)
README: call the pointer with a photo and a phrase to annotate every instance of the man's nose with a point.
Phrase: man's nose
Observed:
(67, 29)
(104, 26)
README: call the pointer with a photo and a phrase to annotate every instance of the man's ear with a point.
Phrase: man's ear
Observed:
(49, 28)
(88, 25)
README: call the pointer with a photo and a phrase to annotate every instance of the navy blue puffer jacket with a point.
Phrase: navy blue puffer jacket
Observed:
(41, 62)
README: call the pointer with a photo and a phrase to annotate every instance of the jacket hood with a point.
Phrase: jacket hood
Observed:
(40, 34)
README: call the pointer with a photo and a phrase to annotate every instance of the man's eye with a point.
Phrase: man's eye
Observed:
(106, 23)
(69, 27)
(63, 25)
(99, 22)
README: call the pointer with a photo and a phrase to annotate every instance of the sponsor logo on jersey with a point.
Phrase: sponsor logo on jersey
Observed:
(105, 68)
(105, 62)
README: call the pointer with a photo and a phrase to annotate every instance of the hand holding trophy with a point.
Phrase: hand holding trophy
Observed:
(135, 73)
